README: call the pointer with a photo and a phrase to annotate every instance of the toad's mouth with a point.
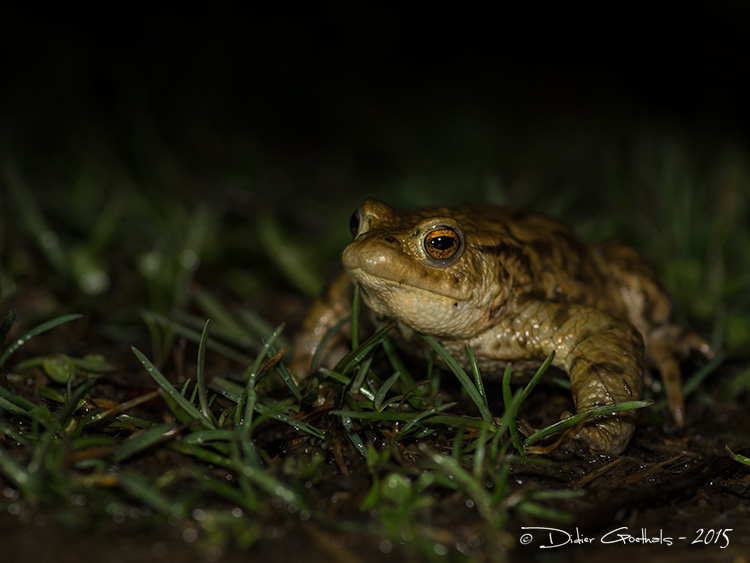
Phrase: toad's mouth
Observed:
(385, 281)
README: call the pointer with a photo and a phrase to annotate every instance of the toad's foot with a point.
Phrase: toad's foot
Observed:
(667, 346)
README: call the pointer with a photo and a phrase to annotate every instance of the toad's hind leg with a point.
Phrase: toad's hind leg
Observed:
(666, 347)
(648, 309)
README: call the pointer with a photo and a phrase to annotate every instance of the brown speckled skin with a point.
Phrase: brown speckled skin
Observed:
(520, 286)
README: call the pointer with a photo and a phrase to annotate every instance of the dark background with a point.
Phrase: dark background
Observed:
(301, 81)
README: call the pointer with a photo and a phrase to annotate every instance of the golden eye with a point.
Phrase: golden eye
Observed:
(442, 243)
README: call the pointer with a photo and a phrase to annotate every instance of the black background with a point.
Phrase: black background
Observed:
(308, 78)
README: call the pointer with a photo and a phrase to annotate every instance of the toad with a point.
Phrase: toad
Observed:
(514, 286)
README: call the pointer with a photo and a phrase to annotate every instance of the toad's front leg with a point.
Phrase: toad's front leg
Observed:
(603, 357)
(332, 307)
(606, 367)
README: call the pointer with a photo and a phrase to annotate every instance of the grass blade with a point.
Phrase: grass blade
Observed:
(335, 329)
(285, 255)
(466, 481)
(216, 310)
(737, 457)
(139, 488)
(44, 327)
(396, 362)
(35, 221)
(604, 410)
(201, 374)
(256, 366)
(513, 403)
(291, 421)
(195, 336)
(17, 404)
(510, 417)
(377, 401)
(175, 395)
(422, 416)
(446, 419)
(355, 438)
(463, 377)
(5, 327)
(204, 436)
(537, 377)
(478, 382)
(284, 373)
(356, 356)
(140, 442)
(14, 472)
(356, 308)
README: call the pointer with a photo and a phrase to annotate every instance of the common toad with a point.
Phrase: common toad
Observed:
(514, 286)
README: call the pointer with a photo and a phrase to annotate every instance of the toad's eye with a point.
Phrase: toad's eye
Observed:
(442, 243)
(354, 223)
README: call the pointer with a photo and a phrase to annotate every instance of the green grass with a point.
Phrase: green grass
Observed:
(109, 277)
(74, 449)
